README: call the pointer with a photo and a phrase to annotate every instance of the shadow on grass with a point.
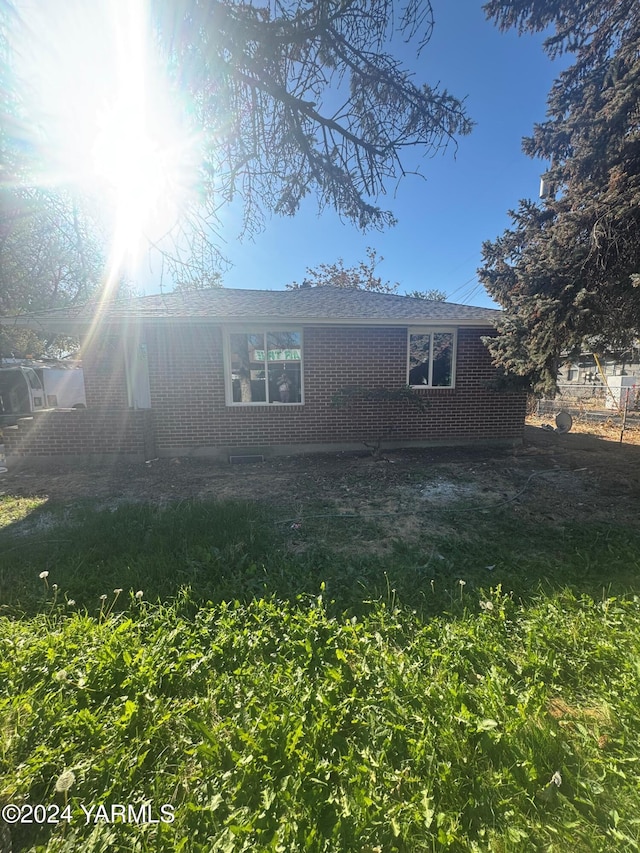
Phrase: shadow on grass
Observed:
(236, 551)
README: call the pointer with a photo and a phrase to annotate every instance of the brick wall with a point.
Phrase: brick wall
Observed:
(81, 432)
(188, 394)
(103, 361)
(189, 411)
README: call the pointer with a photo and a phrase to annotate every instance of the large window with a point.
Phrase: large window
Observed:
(264, 367)
(432, 358)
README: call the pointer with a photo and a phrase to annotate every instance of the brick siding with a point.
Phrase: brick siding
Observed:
(186, 377)
(188, 393)
(84, 432)
(104, 363)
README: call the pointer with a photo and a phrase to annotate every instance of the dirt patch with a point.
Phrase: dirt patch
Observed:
(608, 426)
(560, 477)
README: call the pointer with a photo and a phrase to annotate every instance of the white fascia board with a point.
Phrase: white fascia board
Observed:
(407, 321)
(282, 322)
(76, 326)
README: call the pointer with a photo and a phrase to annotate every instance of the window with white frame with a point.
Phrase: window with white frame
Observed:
(432, 358)
(264, 367)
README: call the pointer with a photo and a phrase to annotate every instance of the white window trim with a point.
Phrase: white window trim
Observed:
(431, 330)
(258, 330)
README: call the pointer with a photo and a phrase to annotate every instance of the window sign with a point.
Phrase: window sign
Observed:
(278, 355)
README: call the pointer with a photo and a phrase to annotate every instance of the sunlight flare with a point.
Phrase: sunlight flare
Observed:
(106, 121)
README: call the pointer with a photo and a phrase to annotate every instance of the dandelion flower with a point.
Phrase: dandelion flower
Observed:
(54, 587)
(71, 602)
(462, 583)
(117, 591)
(139, 594)
(103, 597)
(65, 781)
(43, 575)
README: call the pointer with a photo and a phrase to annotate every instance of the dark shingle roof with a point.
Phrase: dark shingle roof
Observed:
(309, 305)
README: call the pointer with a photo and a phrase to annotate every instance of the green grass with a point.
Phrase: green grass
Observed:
(228, 551)
(13, 510)
(320, 702)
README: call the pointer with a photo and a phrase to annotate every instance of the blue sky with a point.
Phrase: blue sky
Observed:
(442, 221)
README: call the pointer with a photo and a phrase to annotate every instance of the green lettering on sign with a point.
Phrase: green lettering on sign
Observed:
(277, 355)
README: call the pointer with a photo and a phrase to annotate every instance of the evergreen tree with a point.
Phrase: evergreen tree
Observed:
(566, 273)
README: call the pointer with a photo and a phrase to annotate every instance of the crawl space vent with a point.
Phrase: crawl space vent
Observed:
(246, 460)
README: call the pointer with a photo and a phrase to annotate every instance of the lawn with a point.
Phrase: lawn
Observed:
(467, 691)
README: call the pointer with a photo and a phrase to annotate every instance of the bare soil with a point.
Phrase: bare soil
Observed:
(560, 477)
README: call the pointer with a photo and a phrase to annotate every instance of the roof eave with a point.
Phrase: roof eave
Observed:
(81, 325)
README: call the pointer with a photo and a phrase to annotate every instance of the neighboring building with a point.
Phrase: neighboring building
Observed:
(232, 372)
(603, 383)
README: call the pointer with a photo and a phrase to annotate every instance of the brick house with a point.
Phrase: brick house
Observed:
(236, 372)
